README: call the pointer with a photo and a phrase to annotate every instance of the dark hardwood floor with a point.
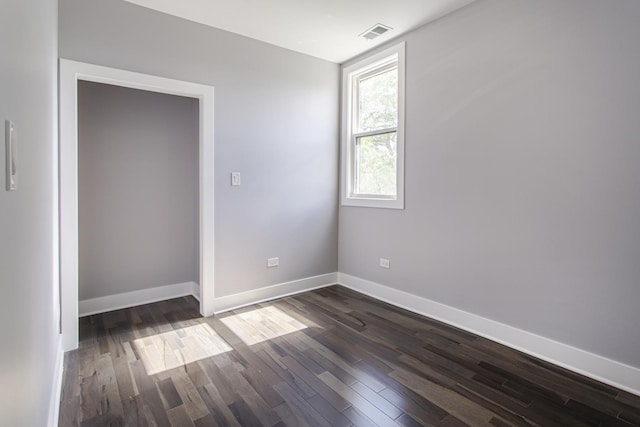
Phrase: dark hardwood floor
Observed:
(331, 357)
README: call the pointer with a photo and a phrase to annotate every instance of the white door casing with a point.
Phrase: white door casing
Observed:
(70, 73)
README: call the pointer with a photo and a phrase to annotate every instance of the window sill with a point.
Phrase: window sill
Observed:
(373, 203)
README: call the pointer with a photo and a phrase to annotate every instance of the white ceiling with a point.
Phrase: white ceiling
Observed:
(327, 29)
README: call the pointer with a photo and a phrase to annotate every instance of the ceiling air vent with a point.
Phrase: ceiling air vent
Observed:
(375, 31)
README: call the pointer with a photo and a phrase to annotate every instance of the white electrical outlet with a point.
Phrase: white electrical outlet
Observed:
(273, 262)
(384, 263)
(235, 178)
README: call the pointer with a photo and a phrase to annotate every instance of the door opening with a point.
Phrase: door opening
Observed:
(71, 72)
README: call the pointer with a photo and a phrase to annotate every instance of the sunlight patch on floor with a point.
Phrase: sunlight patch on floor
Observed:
(262, 324)
(173, 349)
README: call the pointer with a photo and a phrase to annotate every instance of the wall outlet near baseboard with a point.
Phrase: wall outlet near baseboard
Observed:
(385, 263)
(273, 262)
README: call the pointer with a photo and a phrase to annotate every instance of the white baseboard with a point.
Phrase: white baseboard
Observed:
(600, 368)
(281, 290)
(131, 299)
(56, 386)
(196, 291)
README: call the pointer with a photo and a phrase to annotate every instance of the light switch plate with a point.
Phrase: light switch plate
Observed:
(235, 178)
(11, 144)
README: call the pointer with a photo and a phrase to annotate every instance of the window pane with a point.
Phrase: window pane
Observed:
(378, 101)
(375, 165)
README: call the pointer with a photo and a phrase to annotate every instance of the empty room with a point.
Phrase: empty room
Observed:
(320, 213)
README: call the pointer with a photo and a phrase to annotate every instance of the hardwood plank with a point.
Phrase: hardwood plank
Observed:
(301, 357)
(244, 414)
(104, 420)
(247, 394)
(475, 391)
(359, 418)
(70, 383)
(300, 407)
(510, 411)
(262, 411)
(134, 412)
(460, 407)
(124, 378)
(407, 421)
(297, 384)
(526, 387)
(149, 394)
(358, 374)
(90, 397)
(628, 398)
(188, 394)
(271, 359)
(451, 421)
(333, 398)
(206, 421)
(196, 374)
(356, 399)
(179, 417)
(591, 415)
(329, 366)
(288, 417)
(377, 400)
(106, 380)
(169, 393)
(328, 412)
(545, 413)
(216, 405)
(222, 384)
(69, 412)
(419, 409)
(345, 350)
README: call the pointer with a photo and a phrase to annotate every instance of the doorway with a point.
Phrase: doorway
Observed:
(71, 72)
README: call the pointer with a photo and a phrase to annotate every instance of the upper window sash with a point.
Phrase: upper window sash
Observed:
(376, 69)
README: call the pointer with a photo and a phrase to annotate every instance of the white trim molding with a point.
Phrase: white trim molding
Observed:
(107, 303)
(600, 368)
(70, 73)
(281, 290)
(56, 385)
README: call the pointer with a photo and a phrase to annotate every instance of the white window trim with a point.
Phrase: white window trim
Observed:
(346, 160)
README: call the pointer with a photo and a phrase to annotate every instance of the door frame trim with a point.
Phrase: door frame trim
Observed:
(70, 72)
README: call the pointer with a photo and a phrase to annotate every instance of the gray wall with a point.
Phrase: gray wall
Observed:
(522, 172)
(276, 117)
(138, 189)
(28, 96)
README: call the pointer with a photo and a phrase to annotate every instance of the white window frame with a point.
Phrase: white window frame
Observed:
(348, 137)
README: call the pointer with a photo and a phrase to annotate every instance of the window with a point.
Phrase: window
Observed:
(372, 170)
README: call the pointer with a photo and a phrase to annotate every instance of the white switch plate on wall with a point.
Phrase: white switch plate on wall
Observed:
(273, 262)
(11, 145)
(384, 263)
(235, 178)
